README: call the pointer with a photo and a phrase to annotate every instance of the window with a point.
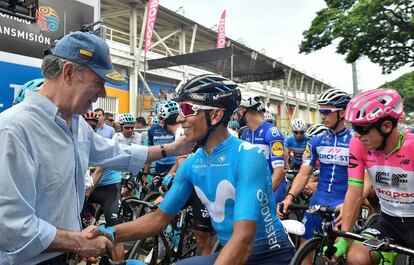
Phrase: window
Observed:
(108, 104)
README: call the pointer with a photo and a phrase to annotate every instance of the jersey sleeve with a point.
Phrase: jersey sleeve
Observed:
(180, 191)
(274, 139)
(310, 155)
(288, 143)
(251, 183)
(356, 168)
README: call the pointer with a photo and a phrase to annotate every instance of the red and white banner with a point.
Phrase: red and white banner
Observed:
(221, 34)
(152, 11)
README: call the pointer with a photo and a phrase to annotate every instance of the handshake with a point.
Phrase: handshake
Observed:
(94, 242)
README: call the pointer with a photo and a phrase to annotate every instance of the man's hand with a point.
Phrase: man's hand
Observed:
(92, 244)
(338, 220)
(181, 147)
(341, 247)
(286, 203)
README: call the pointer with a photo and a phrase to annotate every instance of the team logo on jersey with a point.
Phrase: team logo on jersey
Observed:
(222, 158)
(224, 191)
(277, 149)
(274, 131)
(260, 132)
(247, 146)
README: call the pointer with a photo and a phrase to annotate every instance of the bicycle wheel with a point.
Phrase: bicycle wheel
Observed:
(141, 249)
(310, 252)
(143, 209)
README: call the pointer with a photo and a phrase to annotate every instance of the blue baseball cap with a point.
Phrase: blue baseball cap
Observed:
(87, 49)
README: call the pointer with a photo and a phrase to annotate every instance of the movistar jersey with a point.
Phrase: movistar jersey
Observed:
(157, 135)
(270, 141)
(298, 147)
(332, 151)
(392, 175)
(234, 183)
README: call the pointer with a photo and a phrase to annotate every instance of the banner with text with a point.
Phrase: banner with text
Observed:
(152, 11)
(221, 34)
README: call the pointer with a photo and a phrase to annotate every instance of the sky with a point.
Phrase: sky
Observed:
(277, 26)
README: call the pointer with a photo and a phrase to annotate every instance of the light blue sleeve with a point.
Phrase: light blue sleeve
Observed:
(22, 234)
(288, 142)
(251, 182)
(180, 191)
(108, 153)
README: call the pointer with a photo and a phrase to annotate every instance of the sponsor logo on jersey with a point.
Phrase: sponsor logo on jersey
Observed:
(274, 131)
(247, 146)
(163, 137)
(333, 155)
(261, 131)
(224, 191)
(405, 162)
(222, 158)
(268, 219)
(353, 163)
(277, 149)
(394, 194)
(384, 178)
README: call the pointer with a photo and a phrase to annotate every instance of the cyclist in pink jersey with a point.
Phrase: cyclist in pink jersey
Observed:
(388, 154)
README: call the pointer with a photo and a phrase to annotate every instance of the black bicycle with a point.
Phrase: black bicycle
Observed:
(176, 242)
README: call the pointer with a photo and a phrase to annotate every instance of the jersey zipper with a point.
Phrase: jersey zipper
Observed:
(334, 165)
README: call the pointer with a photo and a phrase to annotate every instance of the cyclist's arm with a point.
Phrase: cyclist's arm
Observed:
(367, 185)
(147, 225)
(277, 177)
(354, 194)
(238, 248)
(286, 152)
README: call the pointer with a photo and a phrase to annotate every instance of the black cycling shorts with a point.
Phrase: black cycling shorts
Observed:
(109, 197)
(201, 218)
(398, 228)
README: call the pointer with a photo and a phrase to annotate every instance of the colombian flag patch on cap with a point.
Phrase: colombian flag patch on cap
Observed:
(86, 55)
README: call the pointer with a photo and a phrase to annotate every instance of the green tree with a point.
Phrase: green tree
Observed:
(405, 86)
(382, 30)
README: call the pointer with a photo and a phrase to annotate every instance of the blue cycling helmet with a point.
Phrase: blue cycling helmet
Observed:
(168, 109)
(156, 106)
(126, 119)
(334, 97)
(34, 85)
(215, 91)
(155, 120)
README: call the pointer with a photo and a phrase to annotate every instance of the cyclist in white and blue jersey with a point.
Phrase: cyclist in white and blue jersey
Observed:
(296, 143)
(230, 176)
(331, 148)
(268, 138)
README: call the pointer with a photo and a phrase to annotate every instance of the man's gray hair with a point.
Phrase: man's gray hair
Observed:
(52, 66)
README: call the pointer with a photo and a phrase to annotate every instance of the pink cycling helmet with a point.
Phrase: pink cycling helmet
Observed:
(372, 105)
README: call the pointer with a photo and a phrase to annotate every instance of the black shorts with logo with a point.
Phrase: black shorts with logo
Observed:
(400, 229)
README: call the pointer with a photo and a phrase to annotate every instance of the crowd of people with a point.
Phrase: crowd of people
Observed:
(225, 154)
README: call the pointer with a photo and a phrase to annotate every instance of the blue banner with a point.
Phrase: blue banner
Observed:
(12, 76)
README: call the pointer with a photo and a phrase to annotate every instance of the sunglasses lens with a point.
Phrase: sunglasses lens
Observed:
(186, 109)
(298, 132)
(361, 130)
(325, 111)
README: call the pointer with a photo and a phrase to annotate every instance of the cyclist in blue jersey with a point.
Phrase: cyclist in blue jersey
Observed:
(268, 138)
(296, 143)
(331, 148)
(236, 192)
(163, 131)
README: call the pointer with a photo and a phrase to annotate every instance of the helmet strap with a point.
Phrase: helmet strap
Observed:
(383, 134)
(338, 120)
